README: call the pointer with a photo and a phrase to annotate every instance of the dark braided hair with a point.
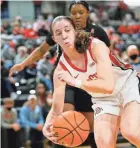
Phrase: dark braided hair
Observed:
(84, 3)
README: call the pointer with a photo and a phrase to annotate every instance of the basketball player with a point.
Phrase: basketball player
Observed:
(79, 12)
(88, 64)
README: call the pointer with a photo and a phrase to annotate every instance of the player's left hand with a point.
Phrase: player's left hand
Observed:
(66, 77)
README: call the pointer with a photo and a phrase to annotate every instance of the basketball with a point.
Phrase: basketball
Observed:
(71, 128)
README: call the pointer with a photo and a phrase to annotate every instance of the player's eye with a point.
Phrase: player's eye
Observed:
(81, 12)
(73, 13)
(67, 30)
(58, 33)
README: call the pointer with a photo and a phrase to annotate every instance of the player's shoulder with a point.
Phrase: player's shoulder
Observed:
(94, 26)
(57, 69)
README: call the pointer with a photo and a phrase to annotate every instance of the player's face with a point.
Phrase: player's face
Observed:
(79, 15)
(64, 34)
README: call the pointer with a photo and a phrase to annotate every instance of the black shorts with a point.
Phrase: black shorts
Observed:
(79, 98)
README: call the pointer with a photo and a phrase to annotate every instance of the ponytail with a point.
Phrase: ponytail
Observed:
(82, 41)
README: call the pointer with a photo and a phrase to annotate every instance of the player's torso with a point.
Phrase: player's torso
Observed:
(89, 71)
(121, 73)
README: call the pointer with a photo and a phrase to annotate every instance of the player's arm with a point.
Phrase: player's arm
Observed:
(36, 55)
(57, 106)
(105, 77)
(58, 96)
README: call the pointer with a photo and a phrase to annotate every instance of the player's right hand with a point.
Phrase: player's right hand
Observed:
(49, 133)
(16, 68)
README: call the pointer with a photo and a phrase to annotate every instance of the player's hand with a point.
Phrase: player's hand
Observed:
(16, 68)
(16, 126)
(49, 133)
(66, 77)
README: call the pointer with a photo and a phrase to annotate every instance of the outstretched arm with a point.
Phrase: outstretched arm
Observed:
(36, 55)
(57, 105)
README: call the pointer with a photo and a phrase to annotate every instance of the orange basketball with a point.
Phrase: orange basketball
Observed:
(72, 128)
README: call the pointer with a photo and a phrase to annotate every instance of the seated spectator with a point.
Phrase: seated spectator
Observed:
(44, 99)
(6, 81)
(7, 28)
(134, 57)
(29, 33)
(21, 55)
(8, 54)
(9, 124)
(44, 70)
(32, 120)
(30, 71)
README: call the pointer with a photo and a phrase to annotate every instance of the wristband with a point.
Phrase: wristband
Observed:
(78, 83)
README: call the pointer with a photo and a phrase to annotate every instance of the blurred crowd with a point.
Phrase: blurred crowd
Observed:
(33, 86)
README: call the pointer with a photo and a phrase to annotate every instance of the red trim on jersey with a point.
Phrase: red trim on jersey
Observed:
(63, 66)
(118, 63)
(90, 51)
(73, 66)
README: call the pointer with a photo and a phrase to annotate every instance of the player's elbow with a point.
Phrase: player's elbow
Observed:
(109, 87)
(109, 90)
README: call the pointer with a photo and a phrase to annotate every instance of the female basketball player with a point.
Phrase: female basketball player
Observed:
(79, 12)
(112, 84)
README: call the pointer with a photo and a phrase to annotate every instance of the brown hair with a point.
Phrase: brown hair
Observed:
(8, 100)
(82, 38)
(82, 41)
(59, 18)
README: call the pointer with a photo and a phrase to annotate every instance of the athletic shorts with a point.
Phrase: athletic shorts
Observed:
(79, 98)
(114, 104)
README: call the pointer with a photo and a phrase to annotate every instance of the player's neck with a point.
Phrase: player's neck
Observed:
(74, 55)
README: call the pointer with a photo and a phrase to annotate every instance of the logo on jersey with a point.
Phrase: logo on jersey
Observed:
(76, 76)
(98, 110)
(92, 64)
(91, 77)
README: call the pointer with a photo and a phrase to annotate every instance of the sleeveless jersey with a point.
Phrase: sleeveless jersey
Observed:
(121, 71)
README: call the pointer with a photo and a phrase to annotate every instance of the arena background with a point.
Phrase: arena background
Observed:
(24, 26)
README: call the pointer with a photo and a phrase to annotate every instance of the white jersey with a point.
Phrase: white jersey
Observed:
(121, 71)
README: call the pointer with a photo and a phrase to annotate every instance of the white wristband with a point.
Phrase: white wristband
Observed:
(78, 83)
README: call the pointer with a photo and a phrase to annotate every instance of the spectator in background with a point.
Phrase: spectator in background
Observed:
(18, 19)
(21, 54)
(39, 23)
(7, 28)
(31, 72)
(9, 124)
(7, 89)
(134, 57)
(44, 99)
(41, 94)
(8, 54)
(29, 33)
(32, 120)
(44, 70)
